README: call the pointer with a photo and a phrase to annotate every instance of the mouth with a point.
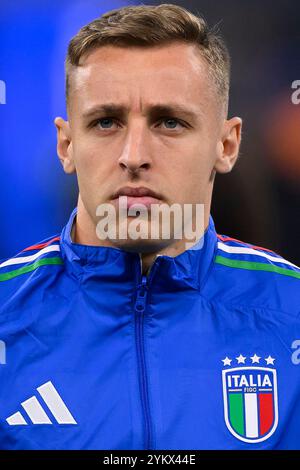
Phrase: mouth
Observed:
(136, 197)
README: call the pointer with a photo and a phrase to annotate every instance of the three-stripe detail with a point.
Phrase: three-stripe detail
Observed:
(49, 396)
(31, 262)
(272, 262)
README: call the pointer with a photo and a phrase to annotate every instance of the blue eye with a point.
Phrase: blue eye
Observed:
(106, 123)
(170, 123)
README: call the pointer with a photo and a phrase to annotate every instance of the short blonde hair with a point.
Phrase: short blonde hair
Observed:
(149, 26)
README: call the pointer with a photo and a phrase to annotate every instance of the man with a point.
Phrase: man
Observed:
(144, 342)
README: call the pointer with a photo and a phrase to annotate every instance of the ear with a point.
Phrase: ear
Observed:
(64, 144)
(229, 145)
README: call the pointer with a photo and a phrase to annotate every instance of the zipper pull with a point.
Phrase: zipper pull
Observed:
(141, 297)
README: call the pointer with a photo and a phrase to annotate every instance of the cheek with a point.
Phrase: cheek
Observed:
(195, 172)
(198, 161)
(91, 159)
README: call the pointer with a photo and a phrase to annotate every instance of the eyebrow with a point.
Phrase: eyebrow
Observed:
(109, 108)
(153, 110)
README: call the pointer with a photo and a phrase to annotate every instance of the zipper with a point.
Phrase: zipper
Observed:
(140, 307)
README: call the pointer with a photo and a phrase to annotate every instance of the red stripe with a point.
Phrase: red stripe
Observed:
(266, 417)
(228, 239)
(41, 245)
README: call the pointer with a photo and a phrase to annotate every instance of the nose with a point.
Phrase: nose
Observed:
(135, 153)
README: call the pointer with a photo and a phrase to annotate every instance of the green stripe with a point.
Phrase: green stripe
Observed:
(236, 412)
(232, 263)
(30, 267)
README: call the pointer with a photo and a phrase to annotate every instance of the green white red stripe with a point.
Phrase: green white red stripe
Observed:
(29, 258)
(251, 414)
(272, 262)
(31, 262)
(239, 250)
(251, 411)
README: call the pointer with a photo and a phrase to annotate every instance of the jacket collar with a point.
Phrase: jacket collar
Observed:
(186, 270)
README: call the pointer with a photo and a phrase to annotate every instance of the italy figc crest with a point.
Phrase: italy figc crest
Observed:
(250, 398)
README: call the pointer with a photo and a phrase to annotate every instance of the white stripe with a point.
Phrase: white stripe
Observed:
(55, 404)
(35, 411)
(250, 251)
(16, 419)
(251, 416)
(26, 259)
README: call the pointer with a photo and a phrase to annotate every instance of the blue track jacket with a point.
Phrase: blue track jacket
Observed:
(202, 353)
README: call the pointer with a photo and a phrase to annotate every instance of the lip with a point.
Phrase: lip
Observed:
(146, 201)
(136, 192)
(137, 196)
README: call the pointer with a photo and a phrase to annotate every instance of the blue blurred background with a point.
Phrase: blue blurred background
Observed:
(259, 202)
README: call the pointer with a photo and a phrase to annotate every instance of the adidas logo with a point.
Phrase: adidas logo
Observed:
(37, 413)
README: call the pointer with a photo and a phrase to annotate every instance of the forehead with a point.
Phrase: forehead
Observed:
(139, 76)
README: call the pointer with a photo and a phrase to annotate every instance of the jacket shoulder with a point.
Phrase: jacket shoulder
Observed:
(251, 275)
(20, 273)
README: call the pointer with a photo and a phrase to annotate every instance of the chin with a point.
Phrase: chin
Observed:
(141, 245)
